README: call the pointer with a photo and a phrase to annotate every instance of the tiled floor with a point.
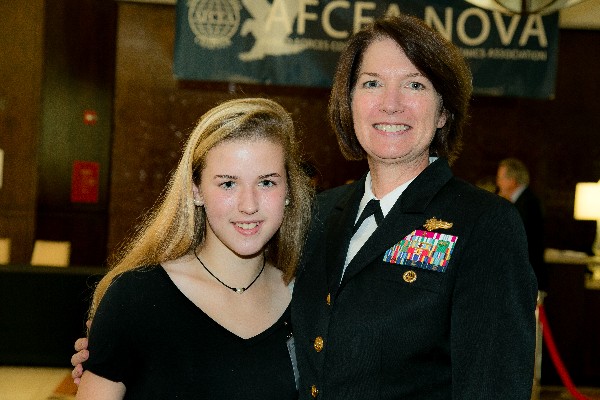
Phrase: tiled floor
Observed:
(26, 383)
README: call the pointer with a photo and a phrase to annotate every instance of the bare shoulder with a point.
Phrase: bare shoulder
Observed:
(280, 290)
(179, 265)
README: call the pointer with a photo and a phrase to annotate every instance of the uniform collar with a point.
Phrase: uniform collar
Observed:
(386, 202)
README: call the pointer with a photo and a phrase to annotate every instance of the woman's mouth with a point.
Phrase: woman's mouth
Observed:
(391, 128)
(247, 225)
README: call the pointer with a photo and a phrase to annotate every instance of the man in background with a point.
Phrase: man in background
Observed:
(512, 180)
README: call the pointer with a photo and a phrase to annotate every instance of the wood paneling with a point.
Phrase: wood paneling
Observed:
(21, 63)
(79, 70)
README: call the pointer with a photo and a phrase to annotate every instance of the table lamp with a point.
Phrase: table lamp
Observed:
(587, 207)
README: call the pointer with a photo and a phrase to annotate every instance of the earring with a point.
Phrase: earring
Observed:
(287, 202)
(197, 203)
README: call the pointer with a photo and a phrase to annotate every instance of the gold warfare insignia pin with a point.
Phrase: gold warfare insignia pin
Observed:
(434, 223)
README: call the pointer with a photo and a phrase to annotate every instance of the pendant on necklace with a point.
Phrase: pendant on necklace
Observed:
(234, 289)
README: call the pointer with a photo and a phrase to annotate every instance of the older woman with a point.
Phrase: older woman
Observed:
(431, 296)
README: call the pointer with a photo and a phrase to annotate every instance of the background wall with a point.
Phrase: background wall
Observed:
(79, 69)
(21, 63)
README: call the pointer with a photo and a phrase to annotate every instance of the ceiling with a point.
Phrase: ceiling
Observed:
(584, 15)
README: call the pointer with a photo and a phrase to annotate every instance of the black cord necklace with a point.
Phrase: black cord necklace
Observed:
(237, 290)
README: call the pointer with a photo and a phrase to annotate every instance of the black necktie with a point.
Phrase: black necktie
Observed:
(371, 208)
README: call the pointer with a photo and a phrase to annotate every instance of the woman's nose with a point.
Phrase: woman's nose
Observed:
(248, 202)
(391, 102)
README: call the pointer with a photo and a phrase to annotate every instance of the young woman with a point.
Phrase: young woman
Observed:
(196, 304)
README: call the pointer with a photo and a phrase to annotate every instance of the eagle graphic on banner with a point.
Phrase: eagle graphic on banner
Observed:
(271, 25)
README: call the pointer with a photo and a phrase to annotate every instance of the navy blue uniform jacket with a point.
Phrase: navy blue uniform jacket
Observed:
(466, 333)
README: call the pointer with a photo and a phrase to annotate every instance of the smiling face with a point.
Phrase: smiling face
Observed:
(395, 109)
(243, 188)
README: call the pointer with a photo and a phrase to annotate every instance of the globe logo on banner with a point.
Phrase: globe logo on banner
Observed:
(214, 22)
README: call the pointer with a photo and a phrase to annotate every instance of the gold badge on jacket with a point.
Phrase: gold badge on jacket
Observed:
(433, 223)
(424, 249)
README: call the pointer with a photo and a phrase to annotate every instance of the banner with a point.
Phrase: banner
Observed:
(297, 42)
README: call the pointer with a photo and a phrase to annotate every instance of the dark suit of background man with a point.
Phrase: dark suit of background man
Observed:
(512, 180)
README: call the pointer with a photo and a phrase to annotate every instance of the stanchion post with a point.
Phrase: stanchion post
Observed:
(537, 369)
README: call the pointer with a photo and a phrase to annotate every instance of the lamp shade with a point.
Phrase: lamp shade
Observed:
(587, 201)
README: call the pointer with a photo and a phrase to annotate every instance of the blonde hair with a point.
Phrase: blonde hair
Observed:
(175, 226)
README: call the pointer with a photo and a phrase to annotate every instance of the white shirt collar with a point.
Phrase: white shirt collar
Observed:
(386, 202)
(516, 193)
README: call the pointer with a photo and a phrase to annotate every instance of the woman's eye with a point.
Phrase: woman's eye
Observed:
(227, 185)
(416, 85)
(267, 183)
(370, 84)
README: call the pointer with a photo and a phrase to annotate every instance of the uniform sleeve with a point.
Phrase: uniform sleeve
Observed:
(493, 311)
(109, 338)
(315, 232)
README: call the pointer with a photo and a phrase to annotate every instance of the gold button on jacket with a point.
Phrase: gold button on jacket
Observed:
(318, 344)
(314, 391)
(409, 276)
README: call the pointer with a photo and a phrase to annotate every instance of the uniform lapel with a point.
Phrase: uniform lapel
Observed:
(407, 215)
(339, 231)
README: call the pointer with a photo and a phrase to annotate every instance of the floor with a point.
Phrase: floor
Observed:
(560, 393)
(27, 383)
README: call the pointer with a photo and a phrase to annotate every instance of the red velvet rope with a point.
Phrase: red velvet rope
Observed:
(558, 364)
